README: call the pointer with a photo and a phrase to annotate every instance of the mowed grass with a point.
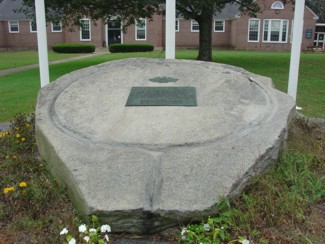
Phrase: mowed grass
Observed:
(10, 60)
(18, 92)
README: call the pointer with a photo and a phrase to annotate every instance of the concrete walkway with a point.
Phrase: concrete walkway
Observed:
(99, 51)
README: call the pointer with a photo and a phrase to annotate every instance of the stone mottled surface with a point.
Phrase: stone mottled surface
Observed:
(147, 168)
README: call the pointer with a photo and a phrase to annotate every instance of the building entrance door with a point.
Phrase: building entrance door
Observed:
(114, 31)
(319, 40)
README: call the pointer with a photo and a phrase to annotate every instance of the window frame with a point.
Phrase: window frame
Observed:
(196, 24)
(144, 28)
(31, 26)
(81, 30)
(223, 26)
(52, 26)
(291, 32)
(258, 30)
(273, 6)
(269, 31)
(177, 25)
(10, 26)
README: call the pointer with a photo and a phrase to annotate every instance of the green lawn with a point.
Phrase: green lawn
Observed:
(18, 91)
(10, 60)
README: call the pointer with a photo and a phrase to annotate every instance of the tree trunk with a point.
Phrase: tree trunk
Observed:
(205, 46)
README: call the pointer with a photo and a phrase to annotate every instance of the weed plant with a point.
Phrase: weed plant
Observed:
(31, 201)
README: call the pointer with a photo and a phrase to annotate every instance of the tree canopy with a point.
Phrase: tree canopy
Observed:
(70, 12)
(318, 6)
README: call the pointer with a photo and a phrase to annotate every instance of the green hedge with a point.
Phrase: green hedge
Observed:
(123, 48)
(73, 48)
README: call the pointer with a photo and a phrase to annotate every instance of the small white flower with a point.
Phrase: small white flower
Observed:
(87, 238)
(105, 228)
(245, 241)
(92, 230)
(72, 241)
(64, 231)
(184, 230)
(206, 227)
(222, 227)
(106, 238)
(82, 228)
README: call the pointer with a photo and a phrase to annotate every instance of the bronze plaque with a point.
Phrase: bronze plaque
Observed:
(162, 96)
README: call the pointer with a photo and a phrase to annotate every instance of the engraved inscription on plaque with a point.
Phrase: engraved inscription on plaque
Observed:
(162, 96)
(163, 79)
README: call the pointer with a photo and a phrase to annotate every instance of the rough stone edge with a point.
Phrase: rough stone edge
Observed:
(4, 126)
(310, 121)
(265, 161)
(60, 172)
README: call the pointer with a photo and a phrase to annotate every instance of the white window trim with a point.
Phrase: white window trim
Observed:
(192, 21)
(56, 30)
(30, 27)
(84, 40)
(9, 26)
(145, 31)
(177, 30)
(258, 32)
(223, 25)
(291, 32)
(276, 7)
(281, 29)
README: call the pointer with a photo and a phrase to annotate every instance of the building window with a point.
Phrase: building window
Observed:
(275, 31)
(56, 26)
(32, 26)
(177, 25)
(13, 26)
(219, 26)
(141, 30)
(277, 5)
(85, 32)
(254, 30)
(195, 27)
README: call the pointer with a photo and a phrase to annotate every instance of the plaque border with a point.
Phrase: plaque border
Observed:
(189, 102)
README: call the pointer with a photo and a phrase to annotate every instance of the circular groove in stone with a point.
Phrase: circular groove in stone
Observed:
(92, 107)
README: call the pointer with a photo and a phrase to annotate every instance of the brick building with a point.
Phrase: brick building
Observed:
(269, 30)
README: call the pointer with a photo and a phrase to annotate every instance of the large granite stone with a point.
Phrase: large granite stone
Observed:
(143, 169)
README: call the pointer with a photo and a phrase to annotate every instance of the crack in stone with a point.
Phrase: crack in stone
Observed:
(153, 192)
(154, 182)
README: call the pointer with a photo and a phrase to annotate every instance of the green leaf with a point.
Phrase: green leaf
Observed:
(223, 236)
(94, 218)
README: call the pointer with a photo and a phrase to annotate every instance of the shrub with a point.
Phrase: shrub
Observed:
(73, 48)
(123, 48)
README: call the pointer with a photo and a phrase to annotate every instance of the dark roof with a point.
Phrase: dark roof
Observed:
(7, 10)
(230, 11)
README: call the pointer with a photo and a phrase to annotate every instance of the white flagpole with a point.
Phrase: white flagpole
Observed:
(170, 29)
(42, 42)
(296, 48)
